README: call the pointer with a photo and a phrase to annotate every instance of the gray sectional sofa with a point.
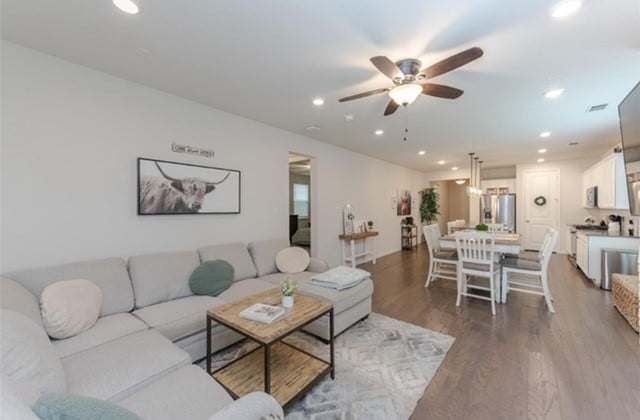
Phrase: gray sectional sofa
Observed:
(151, 328)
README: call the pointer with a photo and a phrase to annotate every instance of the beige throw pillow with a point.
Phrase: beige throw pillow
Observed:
(292, 260)
(70, 307)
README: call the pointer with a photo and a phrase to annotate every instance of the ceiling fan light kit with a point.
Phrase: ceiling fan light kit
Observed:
(405, 94)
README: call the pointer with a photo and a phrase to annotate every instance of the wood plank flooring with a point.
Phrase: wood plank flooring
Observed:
(524, 363)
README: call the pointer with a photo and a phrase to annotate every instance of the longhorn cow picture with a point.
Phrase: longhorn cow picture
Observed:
(180, 188)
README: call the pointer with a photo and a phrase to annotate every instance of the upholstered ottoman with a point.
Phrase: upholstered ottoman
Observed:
(625, 297)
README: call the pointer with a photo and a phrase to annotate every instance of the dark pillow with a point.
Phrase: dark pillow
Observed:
(75, 407)
(211, 278)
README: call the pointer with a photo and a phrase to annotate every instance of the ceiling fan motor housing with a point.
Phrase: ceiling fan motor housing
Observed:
(410, 67)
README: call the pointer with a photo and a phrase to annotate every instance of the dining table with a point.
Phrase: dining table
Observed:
(506, 243)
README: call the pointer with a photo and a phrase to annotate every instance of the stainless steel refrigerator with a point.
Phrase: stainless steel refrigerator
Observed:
(499, 209)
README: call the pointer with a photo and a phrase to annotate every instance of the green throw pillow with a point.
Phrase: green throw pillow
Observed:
(75, 407)
(211, 278)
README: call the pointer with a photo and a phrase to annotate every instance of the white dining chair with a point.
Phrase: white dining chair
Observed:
(477, 258)
(496, 227)
(536, 273)
(443, 263)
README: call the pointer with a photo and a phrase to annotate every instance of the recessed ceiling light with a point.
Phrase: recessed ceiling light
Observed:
(128, 6)
(318, 101)
(379, 132)
(565, 8)
(455, 168)
(542, 150)
(441, 162)
(540, 160)
(422, 152)
(545, 134)
(553, 93)
(314, 127)
(460, 181)
(349, 117)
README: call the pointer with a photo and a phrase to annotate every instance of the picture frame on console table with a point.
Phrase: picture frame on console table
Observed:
(166, 187)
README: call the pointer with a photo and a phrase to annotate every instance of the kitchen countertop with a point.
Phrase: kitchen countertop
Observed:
(592, 232)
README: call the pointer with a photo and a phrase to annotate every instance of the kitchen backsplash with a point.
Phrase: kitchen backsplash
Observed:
(602, 214)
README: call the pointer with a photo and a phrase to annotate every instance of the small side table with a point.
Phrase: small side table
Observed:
(352, 238)
(409, 236)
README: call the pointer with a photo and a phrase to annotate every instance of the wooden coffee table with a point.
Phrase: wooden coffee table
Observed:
(276, 367)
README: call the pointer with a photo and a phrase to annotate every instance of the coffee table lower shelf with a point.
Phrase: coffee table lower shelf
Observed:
(292, 372)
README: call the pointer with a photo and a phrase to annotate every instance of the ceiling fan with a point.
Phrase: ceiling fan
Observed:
(407, 78)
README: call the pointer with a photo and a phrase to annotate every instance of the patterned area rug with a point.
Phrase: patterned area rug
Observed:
(383, 367)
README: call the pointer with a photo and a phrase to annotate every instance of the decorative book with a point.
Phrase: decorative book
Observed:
(262, 313)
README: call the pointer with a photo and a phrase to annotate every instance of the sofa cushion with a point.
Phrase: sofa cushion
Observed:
(235, 254)
(186, 393)
(292, 260)
(264, 253)
(341, 300)
(14, 404)
(118, 368)
(110, 275)
(105, 329)
(161, 277)
(211, 278)
(28, 357)
(242, 289)
(75, 407)
(179, 318)
(14, 296)
(70, 307)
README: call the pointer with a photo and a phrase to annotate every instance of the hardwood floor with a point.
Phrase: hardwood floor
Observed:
(583, 362)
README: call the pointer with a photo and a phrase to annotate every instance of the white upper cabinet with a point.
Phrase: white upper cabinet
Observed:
(609, 176)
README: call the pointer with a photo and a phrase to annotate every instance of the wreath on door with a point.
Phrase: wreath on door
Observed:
(540, 201)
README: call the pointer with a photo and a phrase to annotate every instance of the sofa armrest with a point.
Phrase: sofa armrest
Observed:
(317, 266)
(253, 406)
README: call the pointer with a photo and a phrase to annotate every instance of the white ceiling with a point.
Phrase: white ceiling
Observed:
(266, 60)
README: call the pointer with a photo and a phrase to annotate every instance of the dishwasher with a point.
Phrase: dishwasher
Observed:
(621, 261)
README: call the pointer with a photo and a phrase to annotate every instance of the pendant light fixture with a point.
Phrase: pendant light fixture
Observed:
(474, 190)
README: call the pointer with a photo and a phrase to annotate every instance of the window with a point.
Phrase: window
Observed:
(301, 200)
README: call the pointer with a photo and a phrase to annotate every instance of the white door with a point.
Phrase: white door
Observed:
(538, 218)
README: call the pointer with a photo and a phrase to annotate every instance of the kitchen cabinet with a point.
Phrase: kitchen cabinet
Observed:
(582, 253)
(589, 245)
(609, 176)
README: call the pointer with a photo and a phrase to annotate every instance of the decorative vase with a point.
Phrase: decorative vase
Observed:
(287, 301)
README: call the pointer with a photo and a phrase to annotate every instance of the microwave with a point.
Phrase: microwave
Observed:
(592, 197)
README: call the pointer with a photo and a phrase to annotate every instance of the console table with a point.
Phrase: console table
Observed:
(352, 238)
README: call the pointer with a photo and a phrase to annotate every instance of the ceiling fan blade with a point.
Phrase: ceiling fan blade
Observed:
(391, 108)
(387, 67)
(441, 91)
(452, 63)
(363, 95)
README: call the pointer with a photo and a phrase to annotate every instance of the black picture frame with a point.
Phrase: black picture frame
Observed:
(177, 188)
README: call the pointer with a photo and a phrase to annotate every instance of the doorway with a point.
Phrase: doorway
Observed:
(300, 201)
(454, 202)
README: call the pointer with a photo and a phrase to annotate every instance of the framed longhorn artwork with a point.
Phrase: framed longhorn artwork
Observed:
(180, 188)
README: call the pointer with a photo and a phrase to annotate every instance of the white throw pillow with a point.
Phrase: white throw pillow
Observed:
(292, 260)
(28, 357)
(70, 307)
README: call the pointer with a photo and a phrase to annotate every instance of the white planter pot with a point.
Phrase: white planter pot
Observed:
(287, 301)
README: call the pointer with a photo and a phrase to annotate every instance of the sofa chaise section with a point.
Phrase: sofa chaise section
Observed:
(349, 305)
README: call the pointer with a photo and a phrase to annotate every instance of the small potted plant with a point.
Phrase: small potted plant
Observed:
(289, 289)
(370, 224)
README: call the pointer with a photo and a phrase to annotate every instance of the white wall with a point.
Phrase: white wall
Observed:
(571, 210)
(71, 136)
